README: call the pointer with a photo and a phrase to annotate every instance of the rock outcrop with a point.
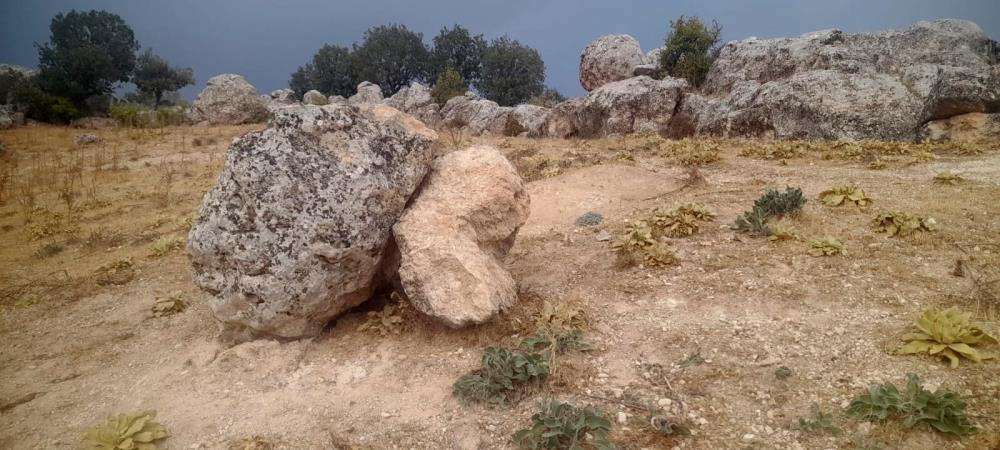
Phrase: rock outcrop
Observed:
(635, 105)
(970, 128)
(295, 230)
(835, 85)
(228, 99)
(475, 115)
(416, 101)
(454, 236)
(314, 97)
(368, 94)
(609, 58)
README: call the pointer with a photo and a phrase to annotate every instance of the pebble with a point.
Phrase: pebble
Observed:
(622, 418)
(748, 437)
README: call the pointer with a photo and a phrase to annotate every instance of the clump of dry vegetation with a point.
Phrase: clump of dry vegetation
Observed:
(898, 223)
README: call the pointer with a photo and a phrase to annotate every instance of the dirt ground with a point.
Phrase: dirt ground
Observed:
(703, 338)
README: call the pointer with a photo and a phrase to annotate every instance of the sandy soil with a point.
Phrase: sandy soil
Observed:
(704, 337)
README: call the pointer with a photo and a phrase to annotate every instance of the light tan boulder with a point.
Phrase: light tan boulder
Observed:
(453, 238)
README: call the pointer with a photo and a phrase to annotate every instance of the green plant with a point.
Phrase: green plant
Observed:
(511, 72)
(504, 377)
(449, 84)
(165, 245)
(941, 410)
(690, 48)
(898, 223)
(559, 425)
(754, 223)
(779, 204)
(782, 232)
(948, 178)
(782, 373)
(130, 431)
(947, 334)
(819, 421)
(562, 316)
(826, 247)
(132, 115)
(840, 195)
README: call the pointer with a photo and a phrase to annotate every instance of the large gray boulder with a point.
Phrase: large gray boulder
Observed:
(314, 97)
(609, 58)
(9, 117)
(969, 128)
(296, 229)
(416, 100)
(284, 96)
(475, 115)
(835, 85)
(635, 105)
(367, 94)
(527, 120)
(228, 99)
(454, 236)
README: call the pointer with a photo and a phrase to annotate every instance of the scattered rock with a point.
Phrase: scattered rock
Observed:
(228, 99)
(453, 238)
(295, 230)
(603, 236)
(609, 58)
(368, 93)
(314, 97)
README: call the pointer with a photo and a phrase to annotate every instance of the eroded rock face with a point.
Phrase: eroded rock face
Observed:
(228, 99)
(475, 115)
(295, 230)
(368, 93)
(453, 238)
(635, 105)
(835, 85)
(416, 101)
(314, 97)
(609, 58)
(971, 128)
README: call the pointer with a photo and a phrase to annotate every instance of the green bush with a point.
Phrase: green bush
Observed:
(130, 115)
(691, 47)
(504, 377)
(940, 410)
(449, 84)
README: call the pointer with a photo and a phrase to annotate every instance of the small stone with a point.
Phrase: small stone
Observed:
(603, 236)
(622, 418)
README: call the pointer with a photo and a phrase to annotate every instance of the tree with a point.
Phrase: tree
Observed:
(459, 50)
(511, 73)
(301, 81)
(449, 84)
(391, 56)
(88, 54)
(691, 47)
(154, 77)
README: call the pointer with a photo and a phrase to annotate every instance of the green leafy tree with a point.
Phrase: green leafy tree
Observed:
(154, 77)
(691, 47)
(330, 72)
(456, 48)
(449, 84)
(391, 56)
(88, 54)
(511, 72)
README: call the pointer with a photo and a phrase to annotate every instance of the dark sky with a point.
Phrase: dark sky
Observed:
(265, 40)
